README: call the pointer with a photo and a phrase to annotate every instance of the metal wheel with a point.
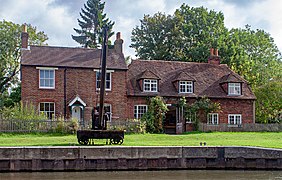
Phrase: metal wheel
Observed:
(83, 141)
(117, 140)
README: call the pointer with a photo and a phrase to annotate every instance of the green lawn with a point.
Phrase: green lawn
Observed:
(260, 139)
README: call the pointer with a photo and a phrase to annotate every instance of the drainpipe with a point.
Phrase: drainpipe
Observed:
(65, 93)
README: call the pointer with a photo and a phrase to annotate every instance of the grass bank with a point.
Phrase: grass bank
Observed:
(260, 139)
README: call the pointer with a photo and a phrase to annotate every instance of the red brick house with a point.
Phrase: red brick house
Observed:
(63, 81)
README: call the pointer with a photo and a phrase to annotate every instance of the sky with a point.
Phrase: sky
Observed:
(57, 18)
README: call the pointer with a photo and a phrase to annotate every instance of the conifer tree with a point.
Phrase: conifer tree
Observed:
(92, 21)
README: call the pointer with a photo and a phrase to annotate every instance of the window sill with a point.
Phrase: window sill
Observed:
(45, 88)
(212, 124)
(234, 95)
(98, 90)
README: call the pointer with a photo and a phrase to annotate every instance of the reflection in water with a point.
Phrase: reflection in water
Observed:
(147, 175)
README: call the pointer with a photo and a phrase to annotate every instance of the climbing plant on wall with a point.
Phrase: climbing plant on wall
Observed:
(201, 107)
(155, 115)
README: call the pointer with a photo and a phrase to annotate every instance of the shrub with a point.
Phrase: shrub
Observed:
(155, 115)
(21, 112)
(129, 125)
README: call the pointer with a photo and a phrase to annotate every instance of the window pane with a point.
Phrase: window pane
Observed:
(52, 74)
(98, 75)
(52, 107)
(215, 118)
(51, 83)
(47, 74)
(47, 107)
(98, 84)
(41, 82)
(231, 119)
(108, 85)
(108, 76)
(47, 83)
(41, 106)
(41, 72)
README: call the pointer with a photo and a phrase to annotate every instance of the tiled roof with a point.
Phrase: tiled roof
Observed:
(208, 78)
(183, 76)
(147, 74)
(231, 77)
(70, 57)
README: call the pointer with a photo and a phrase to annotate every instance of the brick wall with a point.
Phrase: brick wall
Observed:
(81, 82)
(228, 106)
(235, 106)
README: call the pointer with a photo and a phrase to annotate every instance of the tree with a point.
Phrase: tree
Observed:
(155, 115)
(189, 33)
(186, 36)
(10, 46)
(252, 54)
(9, 100)
(269, 102)
(93, 20)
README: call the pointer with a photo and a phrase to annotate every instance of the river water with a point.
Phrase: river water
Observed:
(146, 175)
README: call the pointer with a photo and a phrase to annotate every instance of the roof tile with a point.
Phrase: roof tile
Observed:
(70, 57)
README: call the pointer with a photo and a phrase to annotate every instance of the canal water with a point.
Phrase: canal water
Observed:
(146, 175)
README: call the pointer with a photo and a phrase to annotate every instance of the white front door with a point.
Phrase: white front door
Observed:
(76, 113)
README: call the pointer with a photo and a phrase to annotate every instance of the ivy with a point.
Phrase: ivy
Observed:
(203, 105)
(155, 115)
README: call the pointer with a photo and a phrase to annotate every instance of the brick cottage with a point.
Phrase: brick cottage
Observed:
(64, 81)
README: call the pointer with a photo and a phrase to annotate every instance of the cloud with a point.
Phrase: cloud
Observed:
(57, 18)
(55, 21)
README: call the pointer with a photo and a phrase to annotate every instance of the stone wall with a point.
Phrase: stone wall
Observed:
(242, 128)
(137, 158)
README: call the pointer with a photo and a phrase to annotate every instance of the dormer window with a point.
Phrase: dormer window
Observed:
(234, 89)
(185, 87)
(150, 85)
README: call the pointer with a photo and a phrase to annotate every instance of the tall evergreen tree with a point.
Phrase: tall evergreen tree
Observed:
(92, 21)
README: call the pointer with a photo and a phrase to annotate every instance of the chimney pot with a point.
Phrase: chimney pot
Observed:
(214, 57)
(211, 51)
(24, 28)
(118, 36)
(216, 52)
(24, 37)
(118, 43)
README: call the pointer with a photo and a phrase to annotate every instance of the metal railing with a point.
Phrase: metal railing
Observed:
(31, 125)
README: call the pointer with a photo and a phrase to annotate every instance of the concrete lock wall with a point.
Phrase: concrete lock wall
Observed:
(137, 158)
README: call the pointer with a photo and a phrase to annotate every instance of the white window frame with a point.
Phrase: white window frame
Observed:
(109, 113)
(235, 121)
(151, 83)
(191, 118)
(44, 78)
(187, 86)
(44, 111)
(107, 80)
(213, 119)
(137, 109)
(234, 89)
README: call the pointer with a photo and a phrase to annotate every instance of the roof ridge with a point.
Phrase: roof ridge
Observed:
(64, 47)
(169, 61)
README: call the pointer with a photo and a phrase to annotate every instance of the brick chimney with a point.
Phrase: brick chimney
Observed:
(24, 37)
(118, 43)
(214, 58)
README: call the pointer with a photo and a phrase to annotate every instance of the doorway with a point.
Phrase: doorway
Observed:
(170, 120)
(76, 113)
